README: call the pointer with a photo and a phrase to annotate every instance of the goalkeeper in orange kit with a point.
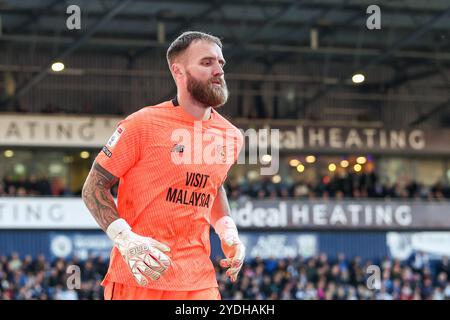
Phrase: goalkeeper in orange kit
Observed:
(161, 224)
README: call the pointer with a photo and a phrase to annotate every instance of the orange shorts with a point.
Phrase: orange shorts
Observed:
(119, 291)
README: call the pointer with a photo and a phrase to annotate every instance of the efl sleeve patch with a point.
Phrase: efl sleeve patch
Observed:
(115, 137)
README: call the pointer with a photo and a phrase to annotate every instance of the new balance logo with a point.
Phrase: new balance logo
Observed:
(178, 148)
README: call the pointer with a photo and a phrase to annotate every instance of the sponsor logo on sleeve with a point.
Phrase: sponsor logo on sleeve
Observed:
(107, 152)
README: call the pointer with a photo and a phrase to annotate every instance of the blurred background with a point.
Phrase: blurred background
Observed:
(361, 99)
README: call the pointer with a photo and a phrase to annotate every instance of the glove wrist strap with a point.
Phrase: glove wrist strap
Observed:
(117, 227)
(225, 226)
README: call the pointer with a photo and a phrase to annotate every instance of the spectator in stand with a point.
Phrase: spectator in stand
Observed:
(340, 186)
(33, 186)
(317, 277)
(444, 266)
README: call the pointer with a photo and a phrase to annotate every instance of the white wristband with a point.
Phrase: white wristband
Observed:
(225, 225)
(117, 227)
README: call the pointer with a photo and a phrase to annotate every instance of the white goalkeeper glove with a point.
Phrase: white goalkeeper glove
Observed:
(144, 256)
(232, 247)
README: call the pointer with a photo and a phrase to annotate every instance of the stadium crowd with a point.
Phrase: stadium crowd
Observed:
(338, 187)
(365, 185)
(33, 186)
(315, 278)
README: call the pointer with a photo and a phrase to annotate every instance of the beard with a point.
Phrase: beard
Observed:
(207, 93)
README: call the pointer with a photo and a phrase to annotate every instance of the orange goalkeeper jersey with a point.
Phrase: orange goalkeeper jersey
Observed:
(170, 167)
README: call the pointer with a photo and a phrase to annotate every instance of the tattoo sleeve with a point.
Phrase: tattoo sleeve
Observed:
(97, 196)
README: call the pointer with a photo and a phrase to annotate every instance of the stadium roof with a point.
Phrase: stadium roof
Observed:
(414, 39)
(277, 27)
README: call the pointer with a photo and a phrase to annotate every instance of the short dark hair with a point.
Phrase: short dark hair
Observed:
(180, 44)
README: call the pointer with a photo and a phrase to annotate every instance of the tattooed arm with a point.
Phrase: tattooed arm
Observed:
(97, 196)
(146, 258)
